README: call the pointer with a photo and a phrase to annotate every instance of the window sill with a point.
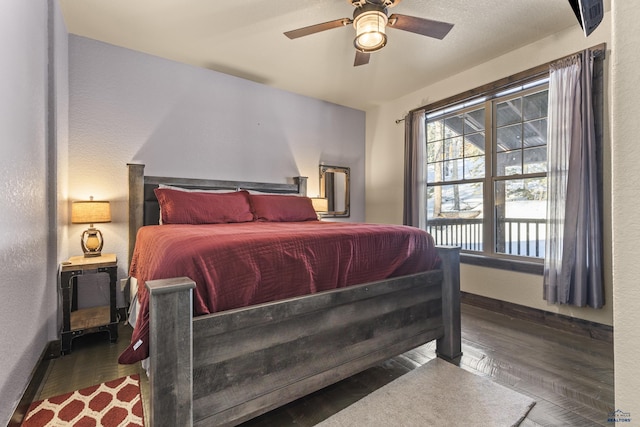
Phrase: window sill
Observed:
(530, 267)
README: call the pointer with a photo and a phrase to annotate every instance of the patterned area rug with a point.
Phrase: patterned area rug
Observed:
(111, 404)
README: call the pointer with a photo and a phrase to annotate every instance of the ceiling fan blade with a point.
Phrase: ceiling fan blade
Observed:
(425, 27)
(362, 58)
(312, 29)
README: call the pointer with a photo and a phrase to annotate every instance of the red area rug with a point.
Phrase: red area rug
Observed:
(114, 403)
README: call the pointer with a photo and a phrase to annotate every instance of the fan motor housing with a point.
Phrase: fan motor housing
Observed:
(369, 8)
(383, 3)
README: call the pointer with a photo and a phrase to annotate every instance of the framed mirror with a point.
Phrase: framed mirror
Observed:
(334, 186)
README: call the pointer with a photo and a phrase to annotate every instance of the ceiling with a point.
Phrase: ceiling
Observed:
(245, 38)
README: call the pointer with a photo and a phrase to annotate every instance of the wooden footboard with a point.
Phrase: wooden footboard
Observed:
(225, 368)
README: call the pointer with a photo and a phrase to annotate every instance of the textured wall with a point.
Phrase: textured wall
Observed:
(179, 120)
(60, 102)
(28, 287)
(625, 80)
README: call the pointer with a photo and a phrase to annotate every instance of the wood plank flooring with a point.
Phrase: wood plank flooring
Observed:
(569, 376)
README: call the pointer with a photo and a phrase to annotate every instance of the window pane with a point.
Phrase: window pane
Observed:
(434, 152)
(535, 133)
(509, 163)
(474, 121)
(454, 215)
(509, 112)
(456, 200)
(453, 148)
(535, 159)
(521, 209)
(474, 167)
(435, 172)
(474, 144)
(509, 137)
(435, 130)
(452, 170)
(535, 105)
(453, 126)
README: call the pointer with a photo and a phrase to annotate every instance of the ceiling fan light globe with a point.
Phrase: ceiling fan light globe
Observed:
(370, 31)
(370, 42)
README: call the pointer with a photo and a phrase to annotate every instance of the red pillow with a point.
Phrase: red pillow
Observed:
(182, 207)
(282, 208)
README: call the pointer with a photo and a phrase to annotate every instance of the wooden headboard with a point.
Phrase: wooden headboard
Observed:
(145, 210)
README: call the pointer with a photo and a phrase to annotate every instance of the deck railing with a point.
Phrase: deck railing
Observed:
(466, 233)
(520, 236)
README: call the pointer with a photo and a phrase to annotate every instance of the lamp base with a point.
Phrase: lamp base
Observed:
(92, 254)
(91, 242)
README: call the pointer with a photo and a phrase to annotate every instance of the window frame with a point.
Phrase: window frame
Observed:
(491, 181)
(490, 258)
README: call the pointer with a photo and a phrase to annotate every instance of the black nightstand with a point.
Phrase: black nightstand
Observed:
(87, 320)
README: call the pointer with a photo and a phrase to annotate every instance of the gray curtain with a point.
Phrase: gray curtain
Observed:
(415, 184)
(573, 256)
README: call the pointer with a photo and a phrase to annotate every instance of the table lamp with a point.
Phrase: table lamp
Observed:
(320, 205)
(91, 212)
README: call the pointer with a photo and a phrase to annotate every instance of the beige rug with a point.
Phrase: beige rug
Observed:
(436, 394)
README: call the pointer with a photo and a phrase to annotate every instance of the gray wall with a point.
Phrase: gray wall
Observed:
(30, 35)
(180, 120)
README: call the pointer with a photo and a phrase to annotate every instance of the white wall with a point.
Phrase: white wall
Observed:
(180, 120)
(385, 163)
(625, 82)
(28, 238)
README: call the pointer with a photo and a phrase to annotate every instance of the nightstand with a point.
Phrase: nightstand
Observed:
(77, 322)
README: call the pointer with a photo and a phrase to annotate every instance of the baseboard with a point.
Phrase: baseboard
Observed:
(51, 351)
(553, 320)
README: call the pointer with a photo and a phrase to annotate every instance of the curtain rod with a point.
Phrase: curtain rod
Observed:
(599, 51)
(398, 121)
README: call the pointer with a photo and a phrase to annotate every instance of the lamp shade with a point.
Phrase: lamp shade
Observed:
(90, 212)
(320, 204)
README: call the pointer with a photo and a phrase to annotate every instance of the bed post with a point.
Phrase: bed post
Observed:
(449, 347)
(136, 203)
(301, 182)
(171, 351)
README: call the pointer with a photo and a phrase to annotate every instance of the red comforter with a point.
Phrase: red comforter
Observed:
(242, 264)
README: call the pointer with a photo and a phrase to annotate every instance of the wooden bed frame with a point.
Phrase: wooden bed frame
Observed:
(228, 367)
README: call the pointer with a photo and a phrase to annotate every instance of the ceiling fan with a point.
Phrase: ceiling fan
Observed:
(370, 20)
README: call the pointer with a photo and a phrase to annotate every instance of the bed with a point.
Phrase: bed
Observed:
(225, 367)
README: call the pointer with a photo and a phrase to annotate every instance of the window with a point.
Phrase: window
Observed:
(486, 172)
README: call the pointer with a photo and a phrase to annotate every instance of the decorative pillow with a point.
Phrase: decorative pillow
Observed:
(282, 208)
(190, 190)
(186, 207)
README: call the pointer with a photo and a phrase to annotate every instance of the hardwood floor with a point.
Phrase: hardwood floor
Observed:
(569, 376)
